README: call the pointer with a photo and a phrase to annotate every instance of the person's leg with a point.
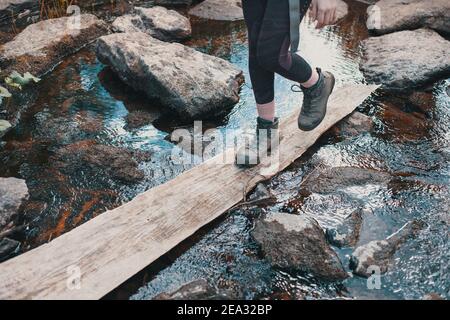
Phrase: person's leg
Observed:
(273, 54)
(274, 41)
(262, 79)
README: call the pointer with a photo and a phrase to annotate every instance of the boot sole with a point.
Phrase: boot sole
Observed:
(303, 128)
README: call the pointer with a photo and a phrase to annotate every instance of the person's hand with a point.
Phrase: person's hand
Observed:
(324, 11)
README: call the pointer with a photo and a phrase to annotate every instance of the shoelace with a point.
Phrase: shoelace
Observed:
(296, 88)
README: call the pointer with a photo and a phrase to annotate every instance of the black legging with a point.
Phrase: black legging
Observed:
(269, 40)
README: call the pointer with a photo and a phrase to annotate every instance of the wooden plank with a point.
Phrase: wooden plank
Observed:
(117, 244)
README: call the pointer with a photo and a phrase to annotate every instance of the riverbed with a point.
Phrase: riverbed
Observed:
(82, 103)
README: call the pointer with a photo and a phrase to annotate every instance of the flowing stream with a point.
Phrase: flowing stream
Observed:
(83, 103)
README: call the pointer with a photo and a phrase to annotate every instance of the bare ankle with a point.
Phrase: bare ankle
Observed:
(267, 111)
(312, 80)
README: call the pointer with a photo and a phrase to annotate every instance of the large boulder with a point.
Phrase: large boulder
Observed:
(13, 192)
(396, 15)
(157, 21)
(377, 254)
(221, 10)
(297, 242)
(186, 82)
(41, 46)
(406, 59)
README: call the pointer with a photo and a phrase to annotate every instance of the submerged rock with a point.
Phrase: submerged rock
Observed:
(173, 2)
(186, 82)
(139, 118)
(116, 162)
(13, 193)
(329, 180)
(404, 126)
(378, 253)
(157, 21)
(346, 234)
(221, 10)
(399, 15)
(406, 59)
(297, 242)
(195, 290)
(8, 247)
(355, 124)
(41, 46)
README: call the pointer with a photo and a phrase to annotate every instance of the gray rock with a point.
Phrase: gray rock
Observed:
(8, 247)
(355, 124)
(261, 195)
(157, 21)
(221, 10)
(329, 180)
(186, 82)
(396, 15)
(297, 242)
(406, 59)
(41, 46)
(195, 290)
(378, 253)
(346, 234)
(13, 192)
(5, 126)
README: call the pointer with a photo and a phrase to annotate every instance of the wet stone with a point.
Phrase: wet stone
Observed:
(13, 193)
(377, 254)
(158, 22)
(296, 242)
(406, 59)
(221, 10)
(116, 162)
(195, 290)
(329, 180)
(8, 247)
(346, 234)
(138, 118)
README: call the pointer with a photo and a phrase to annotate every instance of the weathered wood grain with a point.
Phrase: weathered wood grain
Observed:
(117, 244)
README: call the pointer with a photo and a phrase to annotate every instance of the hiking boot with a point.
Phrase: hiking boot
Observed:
(315, 101)
(266, 139)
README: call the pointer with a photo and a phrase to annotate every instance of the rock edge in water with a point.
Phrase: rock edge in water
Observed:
(297, 242)
(186, 82)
